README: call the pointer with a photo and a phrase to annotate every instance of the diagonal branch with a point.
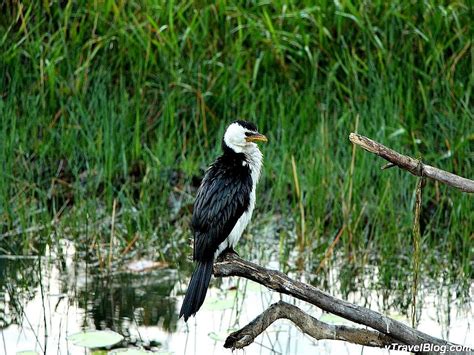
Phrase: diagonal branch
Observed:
(231, 264)
(413, 166)
(308, 325)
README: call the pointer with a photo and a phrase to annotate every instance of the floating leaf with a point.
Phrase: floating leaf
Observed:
(220, 304)
(95, 338)
(216, 336)
(254, 287)
(137, 351)
(129, 351)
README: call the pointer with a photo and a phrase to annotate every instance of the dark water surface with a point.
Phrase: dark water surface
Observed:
(43, 300)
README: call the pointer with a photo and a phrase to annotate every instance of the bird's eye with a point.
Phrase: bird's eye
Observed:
(249, 133)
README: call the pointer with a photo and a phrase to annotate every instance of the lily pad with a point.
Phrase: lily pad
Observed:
(129, 351)
(137, 351)
(254, 287)
(27, 352)
(217, 336)
(220, 304)
(95, 338)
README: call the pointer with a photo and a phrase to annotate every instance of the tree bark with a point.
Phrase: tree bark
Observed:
(231, 264)
(308, 325)
(414, 166)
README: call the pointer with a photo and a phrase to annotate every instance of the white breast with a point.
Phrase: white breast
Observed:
(254, 160)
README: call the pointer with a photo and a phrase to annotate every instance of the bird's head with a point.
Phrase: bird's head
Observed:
(241, 136)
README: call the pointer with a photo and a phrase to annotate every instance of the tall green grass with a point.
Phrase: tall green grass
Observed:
(128, 101)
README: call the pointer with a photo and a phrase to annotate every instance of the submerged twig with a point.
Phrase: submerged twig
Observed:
(131, 244)
(330, 249)
(302, 236)
(112, 230)
(412, 165)
(416, 247)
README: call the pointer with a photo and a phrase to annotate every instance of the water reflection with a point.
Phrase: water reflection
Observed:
(43, 300)
(143, 298)
(18, 283)
(38, 313)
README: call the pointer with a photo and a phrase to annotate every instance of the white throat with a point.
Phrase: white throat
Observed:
(254, 158)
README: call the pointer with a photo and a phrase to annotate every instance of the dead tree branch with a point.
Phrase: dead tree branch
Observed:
(232, 265)
(307, 324)
(413, 166)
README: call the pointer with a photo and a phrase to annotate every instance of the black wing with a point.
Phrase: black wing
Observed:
(224, 195)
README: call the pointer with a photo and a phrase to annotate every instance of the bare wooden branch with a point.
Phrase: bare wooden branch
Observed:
(231, 264)
(413, 166)
(307, 324)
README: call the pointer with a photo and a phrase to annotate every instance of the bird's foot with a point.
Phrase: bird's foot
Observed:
(229, 251)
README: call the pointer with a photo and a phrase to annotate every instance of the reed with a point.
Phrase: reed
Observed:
(126, 101)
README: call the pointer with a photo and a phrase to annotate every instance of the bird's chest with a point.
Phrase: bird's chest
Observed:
(240, 225)
(242, 222)
(253, 163)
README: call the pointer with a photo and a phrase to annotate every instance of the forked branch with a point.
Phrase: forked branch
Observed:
(308, 325)
(413, 166)
(231, 264)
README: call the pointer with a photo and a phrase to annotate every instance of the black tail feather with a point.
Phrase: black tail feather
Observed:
(197, 289)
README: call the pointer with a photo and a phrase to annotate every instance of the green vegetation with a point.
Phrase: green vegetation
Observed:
(126, 101)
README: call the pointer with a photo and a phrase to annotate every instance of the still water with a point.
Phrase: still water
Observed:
(43, 300)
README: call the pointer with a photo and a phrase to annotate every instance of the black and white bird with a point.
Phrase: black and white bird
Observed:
(223, 207)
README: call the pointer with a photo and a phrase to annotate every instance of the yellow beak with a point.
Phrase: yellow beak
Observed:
(256, 138)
